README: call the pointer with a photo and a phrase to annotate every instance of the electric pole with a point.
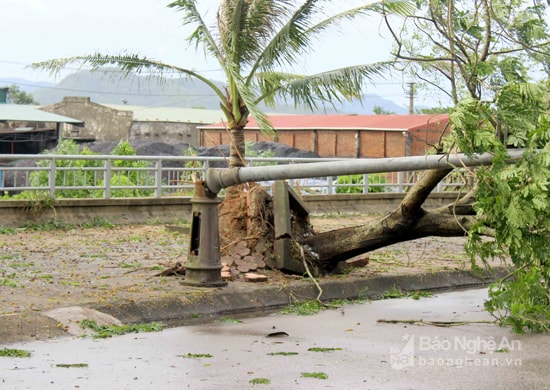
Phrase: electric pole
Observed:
(411, 98)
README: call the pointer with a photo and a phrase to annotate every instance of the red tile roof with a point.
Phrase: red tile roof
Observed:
(346, 122)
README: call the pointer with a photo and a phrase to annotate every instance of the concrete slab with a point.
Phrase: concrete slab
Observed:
(70, 317)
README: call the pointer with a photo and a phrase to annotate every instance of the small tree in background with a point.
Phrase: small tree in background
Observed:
(82, 174)
(17, 96)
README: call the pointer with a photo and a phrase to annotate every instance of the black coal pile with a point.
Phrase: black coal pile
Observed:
(142, 148)
(264, 149)
(152, 148)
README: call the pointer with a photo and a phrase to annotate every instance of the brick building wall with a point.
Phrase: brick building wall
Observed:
(339, 143)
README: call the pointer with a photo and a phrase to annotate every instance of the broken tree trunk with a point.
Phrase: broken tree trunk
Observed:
(408, 221)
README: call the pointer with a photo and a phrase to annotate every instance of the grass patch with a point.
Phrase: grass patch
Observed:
(52, 225)
(388, 257)
(134, 238)
(98, 222)
(48, 226)
(320, 349)
(421, 294)
(6, 230)
(259, 381)
(71, 283)
(13, 352)
(105, 331)
(394, 293)
(304, 308)
(316, 375)
(21, 265)
(72, 365)
(8, 280)
(196, 355)
(130, 265)
(282, 353)
(98, 255)
(312, 307)
(227, 320)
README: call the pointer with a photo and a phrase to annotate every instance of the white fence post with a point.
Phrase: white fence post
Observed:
(107, 179)
(158, 179)
(51, 178)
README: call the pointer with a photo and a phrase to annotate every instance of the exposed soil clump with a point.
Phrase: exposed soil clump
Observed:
(247, 230)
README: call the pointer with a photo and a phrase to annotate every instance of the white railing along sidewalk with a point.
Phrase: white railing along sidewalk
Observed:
(108, 176)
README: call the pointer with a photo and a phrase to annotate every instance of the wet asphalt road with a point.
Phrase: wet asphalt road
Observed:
(356, 352)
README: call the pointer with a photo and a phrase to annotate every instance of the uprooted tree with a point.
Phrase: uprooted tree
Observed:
(484, 55)
(479, 52)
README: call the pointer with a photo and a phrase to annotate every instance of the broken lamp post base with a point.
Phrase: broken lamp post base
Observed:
(203, 267)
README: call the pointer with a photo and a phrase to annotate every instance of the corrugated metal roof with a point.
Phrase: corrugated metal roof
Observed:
(170, 114)
(346, 122)
(26, 113)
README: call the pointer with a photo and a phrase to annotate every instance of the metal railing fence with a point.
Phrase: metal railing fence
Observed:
(108, 176)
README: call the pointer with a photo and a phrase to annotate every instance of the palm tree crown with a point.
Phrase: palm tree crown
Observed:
(253, 42)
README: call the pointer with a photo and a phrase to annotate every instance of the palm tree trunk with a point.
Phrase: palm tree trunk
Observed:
(236, 159)
(237, 148)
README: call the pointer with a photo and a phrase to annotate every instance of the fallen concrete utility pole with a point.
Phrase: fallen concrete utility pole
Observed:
(203, 267)
(217, 179)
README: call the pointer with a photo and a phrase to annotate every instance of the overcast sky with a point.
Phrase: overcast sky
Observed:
(37, 30)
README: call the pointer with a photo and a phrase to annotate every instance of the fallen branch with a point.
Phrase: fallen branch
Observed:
(441, 324)
(318, 299)
(177, 269)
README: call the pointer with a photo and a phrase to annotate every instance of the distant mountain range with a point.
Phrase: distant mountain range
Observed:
(109, 88)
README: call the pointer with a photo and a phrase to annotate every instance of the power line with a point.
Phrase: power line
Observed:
(107, 92)
(107, 69)
(170, 71)
(134, 93)
(114, 70)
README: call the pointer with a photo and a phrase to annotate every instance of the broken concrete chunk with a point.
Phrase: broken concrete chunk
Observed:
(255, 277)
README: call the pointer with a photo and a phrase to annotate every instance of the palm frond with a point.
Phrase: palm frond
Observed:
(246, 26)
(269, 83)
(126, 62)
(201, 34)
(297, 35)
(332, 86)
(382, 7)
(289, 39)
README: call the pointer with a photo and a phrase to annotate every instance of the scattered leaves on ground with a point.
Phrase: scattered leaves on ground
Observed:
(13, 352)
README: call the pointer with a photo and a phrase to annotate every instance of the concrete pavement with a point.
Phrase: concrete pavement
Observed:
(340, 349)
(192, 304)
